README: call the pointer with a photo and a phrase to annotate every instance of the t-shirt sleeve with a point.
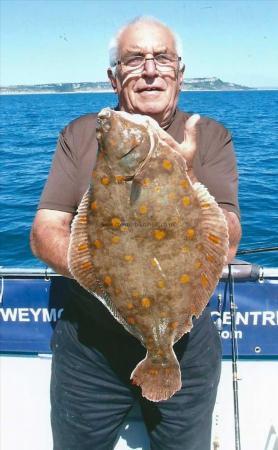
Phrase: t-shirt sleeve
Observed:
(59, 192)
(218, 165)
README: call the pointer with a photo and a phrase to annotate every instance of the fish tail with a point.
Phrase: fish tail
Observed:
(158, 381)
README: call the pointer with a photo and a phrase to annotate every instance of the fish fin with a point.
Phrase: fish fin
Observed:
(158, 382)
(81, 265)
(214, 230)
(215, 245)
(80, 261)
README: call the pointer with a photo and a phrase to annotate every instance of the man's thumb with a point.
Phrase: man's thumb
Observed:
(190, 129)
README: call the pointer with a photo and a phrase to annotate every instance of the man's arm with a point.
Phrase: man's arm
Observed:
(50, 238)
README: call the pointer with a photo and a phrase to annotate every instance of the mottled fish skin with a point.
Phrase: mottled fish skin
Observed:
(148, 243)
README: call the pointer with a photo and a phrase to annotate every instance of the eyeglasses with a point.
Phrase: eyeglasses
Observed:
(163, 62)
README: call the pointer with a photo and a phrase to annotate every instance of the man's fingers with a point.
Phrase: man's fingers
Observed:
(189, 145)
(190, 128)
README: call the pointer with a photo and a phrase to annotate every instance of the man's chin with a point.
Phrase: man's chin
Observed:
(150, 108)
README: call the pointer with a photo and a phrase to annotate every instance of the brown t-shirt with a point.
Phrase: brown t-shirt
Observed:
(214, 163)
(214, 166)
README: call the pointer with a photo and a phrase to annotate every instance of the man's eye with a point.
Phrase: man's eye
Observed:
(163, 58)
(134, 61)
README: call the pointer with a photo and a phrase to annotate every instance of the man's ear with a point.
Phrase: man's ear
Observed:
(112, 79)
(181, 76)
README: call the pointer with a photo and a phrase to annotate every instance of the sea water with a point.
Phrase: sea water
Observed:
(29, 129)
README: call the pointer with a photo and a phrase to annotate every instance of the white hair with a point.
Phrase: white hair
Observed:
(114, 42)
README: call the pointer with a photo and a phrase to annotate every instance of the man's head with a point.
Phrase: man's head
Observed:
(146, 86)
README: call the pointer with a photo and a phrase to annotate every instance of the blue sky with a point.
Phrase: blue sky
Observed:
(48, 41)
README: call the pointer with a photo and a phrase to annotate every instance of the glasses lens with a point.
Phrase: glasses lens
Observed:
(163, 63)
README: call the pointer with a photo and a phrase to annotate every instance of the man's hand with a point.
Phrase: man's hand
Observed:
(189, 145)
(50, 239)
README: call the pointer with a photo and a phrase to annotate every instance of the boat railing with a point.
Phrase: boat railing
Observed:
(240, 270)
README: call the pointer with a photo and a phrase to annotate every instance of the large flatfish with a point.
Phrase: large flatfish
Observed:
(148, 243)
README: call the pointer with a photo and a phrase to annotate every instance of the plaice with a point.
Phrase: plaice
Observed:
(147, 243)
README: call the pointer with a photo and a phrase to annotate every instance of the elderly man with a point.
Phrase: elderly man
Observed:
(93, 355)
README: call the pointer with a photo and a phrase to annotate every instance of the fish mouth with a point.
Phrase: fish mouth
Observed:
(103, 121)
(129, 151)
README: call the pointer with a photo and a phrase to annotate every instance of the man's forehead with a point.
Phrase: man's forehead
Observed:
(145, 48)
(146, 38)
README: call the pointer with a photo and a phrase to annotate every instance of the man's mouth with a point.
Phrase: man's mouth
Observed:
(149, 89)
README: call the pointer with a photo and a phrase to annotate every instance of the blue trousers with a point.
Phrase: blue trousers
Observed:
(91, 393)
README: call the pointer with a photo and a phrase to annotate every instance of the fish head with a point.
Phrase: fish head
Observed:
(125, 139)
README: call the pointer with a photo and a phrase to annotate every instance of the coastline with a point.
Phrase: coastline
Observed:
(110, 91)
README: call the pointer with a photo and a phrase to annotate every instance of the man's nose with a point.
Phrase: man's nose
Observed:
(150, 67)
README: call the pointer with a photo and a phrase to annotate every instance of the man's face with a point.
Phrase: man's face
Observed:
(149, 92)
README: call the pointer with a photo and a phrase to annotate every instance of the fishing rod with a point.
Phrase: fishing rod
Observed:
(257, 250)
(233, 308)
(234, 357)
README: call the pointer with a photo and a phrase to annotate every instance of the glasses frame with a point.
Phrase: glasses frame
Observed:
(142, 65)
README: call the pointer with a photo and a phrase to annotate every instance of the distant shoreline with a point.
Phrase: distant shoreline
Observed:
(108, 91)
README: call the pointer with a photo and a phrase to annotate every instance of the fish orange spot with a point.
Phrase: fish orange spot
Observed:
(174, 325)
(128, 258)
(119, 179)
(118, 291)
(146, 182)
(105, 181)
(167, 165)
(210, 258)
(197, 264)
(131, 320)
(205, 205)
(146, 302)
(107, 280)
(83, 219)
(190, 233)
(172, 196)
(204, 280)
(129, 305)
(185, 249)
(184, 184)
(94, 205)
(82, 247)
(186, 201)
(161, 284)
(115, 239)
(184, 278)
(157, 189)
(160, 352)
(116, 222)
(159, 234)
(86, 265)
(214, 239)
(124, 228)
(97, 243)
(135, 294)
(143, 209)
(153, 372)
